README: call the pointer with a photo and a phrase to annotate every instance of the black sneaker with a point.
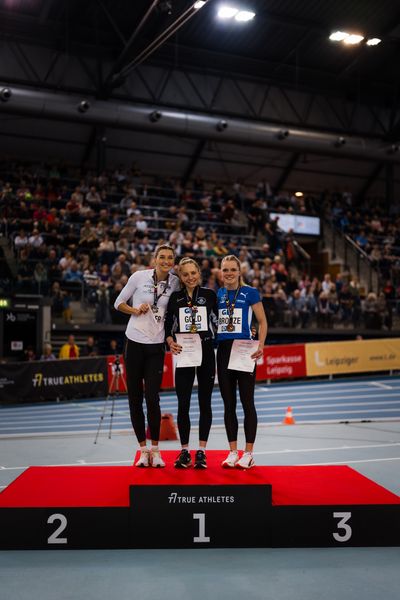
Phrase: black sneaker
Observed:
(184, 460)
(200, 461)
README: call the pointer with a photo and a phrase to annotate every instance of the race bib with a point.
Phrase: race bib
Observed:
(223, 320)
(200, 319)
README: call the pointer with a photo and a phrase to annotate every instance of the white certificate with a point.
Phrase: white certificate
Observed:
(240, 358)
(191, 354)
(148, 324)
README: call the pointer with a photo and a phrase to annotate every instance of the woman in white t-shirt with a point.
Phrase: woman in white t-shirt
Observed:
(145, 298)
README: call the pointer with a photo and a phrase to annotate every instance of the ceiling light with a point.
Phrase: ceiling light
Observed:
(155, 116)
(244, 15)
(373, 42)
(227, 12)
(83, 106)
(199, 4)
(353, 39)
(5, 94)
(299, 194)
(222, 125)
(338, 36)
(283, 134)
(340, 142)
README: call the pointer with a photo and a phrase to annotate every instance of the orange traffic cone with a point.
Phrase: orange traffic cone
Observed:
(288, 420)
(167, 428)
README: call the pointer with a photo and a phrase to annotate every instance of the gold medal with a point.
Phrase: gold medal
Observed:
(193, 328)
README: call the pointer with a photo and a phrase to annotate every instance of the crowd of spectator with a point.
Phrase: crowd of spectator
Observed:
(81, 236)
(375, 231)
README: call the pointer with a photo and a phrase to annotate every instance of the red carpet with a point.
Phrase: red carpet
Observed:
(85, 486)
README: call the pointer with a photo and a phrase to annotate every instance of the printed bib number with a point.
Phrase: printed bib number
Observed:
(223, 320)
(185, 319)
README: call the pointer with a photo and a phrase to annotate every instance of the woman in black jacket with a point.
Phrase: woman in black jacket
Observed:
(193, 310)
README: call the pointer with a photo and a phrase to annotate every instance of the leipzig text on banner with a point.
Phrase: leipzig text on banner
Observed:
(333, 358)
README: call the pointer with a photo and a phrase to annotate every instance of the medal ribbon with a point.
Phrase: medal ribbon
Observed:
(155, 290)
(192, 304)
(231, 306)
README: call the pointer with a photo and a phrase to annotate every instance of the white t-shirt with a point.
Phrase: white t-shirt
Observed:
(140, 290)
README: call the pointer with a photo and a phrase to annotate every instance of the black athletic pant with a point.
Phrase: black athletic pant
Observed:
(144, 363)
(228, 381)
(184, 378)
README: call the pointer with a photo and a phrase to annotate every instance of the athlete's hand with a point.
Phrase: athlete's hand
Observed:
(143, 308)
(174, 346)
(258, 354)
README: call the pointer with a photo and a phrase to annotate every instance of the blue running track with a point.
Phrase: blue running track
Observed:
(372, 398)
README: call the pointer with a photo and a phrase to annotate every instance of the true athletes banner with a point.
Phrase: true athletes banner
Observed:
(49, 380)
(334, 358)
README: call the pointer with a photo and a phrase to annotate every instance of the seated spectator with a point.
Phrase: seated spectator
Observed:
(47, 352)
(69, 349)
(90, 348)
(93, 196)
(300, 309)
(21, 240)
(325, 310)
(29, 354)
(73, 273)
(371, 309)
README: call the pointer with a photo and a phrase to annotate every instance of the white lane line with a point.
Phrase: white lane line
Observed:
(262, 406)
(272, 421)
(383, 386)
(348, 462)
(270, 401)
(75, 464)
(341, 415)
(328, 449)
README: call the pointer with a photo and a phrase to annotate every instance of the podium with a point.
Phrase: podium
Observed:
(83, 507)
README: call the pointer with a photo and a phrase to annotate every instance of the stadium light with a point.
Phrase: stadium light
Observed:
(227, 12)
(155, 116)
(5, 94)
(373, 42)
(283, 134)
(338, 36)
(199, 4)
(353, 39)
(244, 15)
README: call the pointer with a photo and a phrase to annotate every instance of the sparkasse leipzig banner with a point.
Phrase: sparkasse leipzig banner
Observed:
(52, 379)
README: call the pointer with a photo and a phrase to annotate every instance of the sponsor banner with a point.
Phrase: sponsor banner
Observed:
(52, 379)
(281, 362)
(333, 358)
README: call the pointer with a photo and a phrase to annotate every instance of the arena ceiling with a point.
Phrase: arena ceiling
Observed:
(280, 67)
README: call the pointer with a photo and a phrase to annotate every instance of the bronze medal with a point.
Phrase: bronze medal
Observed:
(230, 326)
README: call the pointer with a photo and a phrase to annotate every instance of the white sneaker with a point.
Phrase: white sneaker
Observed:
(246, 462)
(230, 460)
(155, 459)
(144, 459)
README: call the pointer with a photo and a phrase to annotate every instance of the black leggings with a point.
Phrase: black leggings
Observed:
(228, 381)
(184, 378)
(144, 363)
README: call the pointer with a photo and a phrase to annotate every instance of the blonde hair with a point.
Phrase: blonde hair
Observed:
(233, 258)
(188, 261)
